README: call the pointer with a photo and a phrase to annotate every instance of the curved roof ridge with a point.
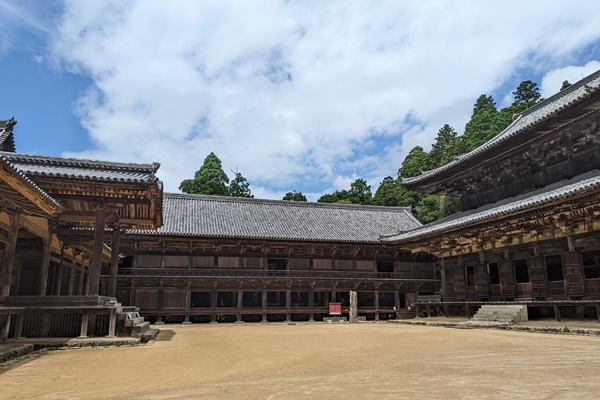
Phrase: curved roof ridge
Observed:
(150, 167)
(285, 202)
(525, 120)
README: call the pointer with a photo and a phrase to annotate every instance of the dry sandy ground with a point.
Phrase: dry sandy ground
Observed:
(319, 361)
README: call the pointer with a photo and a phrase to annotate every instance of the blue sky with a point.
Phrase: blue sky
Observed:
(304, 96)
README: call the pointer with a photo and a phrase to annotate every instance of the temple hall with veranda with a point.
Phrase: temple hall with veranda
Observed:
(91, 248)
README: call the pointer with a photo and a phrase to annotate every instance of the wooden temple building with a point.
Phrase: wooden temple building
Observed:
(220, 259)
(529, 229)
(54, 213)
(84, 244)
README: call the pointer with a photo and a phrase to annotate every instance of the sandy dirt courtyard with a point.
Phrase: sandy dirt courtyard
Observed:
(318, 361)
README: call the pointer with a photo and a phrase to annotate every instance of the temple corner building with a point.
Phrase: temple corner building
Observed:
(529, 229)
(87, 245)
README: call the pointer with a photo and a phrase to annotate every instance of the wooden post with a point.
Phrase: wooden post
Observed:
(288, 305)
(4, 327)
(84, 324)
(240, 304)
(353, 315)
(6, 269)
(397, 303)
(71, 279)
(114, 261)
(264, 305)
(43, 270)
(96, 265)
(377, 305)
(188, 304)
(112, 323)
(213, 305)
(81, 289)
(59, 272)
(598, 311)
(18, 325)
(557, 313)
(311, 304)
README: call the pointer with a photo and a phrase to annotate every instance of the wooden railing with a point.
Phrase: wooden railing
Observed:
(556, 289)
(592, 287)
(254, 273)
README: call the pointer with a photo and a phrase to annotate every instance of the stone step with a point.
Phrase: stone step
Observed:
(133, 322)
(150, 334)
(139, 329)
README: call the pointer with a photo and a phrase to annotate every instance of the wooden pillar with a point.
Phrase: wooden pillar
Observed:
(188, 304)
(85, 316)
(288, 305)
(264, 305)
(376, 293)
(4, 327)
(598, 311)
(467, 311)
(240, 304)
(557, 313)
(59, 272)
(96, 265)
(213, 305)
(112, 323)
(82, 280)
(71, 279)
(311, 304)
(18, 325)
(114, 261)
(44, 264)
(353, 312)
(397, 303)
(8, 260)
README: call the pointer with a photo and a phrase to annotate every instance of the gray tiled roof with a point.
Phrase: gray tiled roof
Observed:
(490, 212)
(9, 166)
(213, 216)
(70, 168)
(525, 121)
(7, 141)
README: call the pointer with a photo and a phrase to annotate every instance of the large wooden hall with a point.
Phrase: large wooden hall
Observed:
(87, 243)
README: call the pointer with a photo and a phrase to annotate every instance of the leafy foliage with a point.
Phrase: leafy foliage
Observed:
(526, 96)
(447, 146)
(484, 123)
(209, 179)
(392, 193)
(294, 196)
(359, 193)
(239, 186)
(212, 180)
(416, 161)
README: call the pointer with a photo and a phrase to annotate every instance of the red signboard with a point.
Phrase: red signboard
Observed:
(335, 308)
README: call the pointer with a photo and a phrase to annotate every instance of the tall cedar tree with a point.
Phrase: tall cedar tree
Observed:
(526, 96)
(416, 160)
(209, 179)
(294, 196)
(447, 146)
(483, 124)
(239, 186)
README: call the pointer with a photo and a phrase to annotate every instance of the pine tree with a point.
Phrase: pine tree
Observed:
(483, 124)
(447, 146)
(239, 186)
(209, 179)
(392, 193)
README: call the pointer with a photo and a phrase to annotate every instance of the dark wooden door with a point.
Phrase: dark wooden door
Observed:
(507, 278)
(537, 277)
(573, 273)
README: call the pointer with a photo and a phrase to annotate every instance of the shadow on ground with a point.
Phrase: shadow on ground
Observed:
(165, 335)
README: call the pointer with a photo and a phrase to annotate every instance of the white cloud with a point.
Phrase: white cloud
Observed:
(299, 95)
(553, 80)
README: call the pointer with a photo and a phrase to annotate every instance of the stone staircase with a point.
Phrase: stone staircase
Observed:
(507, 313)
(130, 323)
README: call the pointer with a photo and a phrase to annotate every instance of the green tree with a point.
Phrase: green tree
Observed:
(294, 196)
(483, 124)
(447, 146)
(415, 161)
(565, 85)
(360, 192)
(209, 179)
(526, 95)
(392, 193)
(239, 186)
